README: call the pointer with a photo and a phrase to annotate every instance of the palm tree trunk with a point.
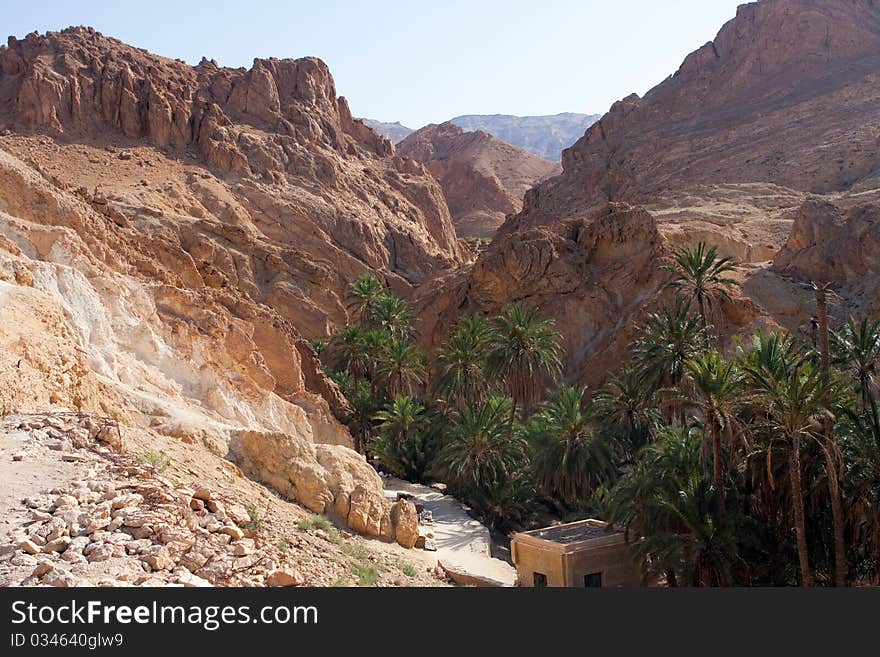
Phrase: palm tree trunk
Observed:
(717, 469)
(702, 304)
(875, 539)
(797, 502)
(512, 418)
(840, 567)
(875, 420)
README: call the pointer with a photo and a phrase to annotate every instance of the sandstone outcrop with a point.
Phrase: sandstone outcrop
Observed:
(172, 237)
(267, 159)
(483, 178)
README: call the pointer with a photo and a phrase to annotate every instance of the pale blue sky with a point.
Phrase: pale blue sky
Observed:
(421, 62)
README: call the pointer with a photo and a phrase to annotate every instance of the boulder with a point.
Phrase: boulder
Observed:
(285, 576)
(406, 523)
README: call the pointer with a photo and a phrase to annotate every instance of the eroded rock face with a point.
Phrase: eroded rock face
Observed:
(781, 95)
(594, 276)
(779, 106)
(171, 237)
(309, 196)
(838, 244)
(483, 178)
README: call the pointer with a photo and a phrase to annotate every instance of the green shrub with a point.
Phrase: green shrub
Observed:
(356, 550)
(315, 522)
(367, 575)
(158, 460)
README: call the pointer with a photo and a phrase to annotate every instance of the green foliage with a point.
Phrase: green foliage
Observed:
(486, 464)
(366, 575)
(669, 338)
(393, 316)
(356, 550)
(720, 459)
(159, 461)
(316, 522)
(401, 366)
(461, 363)
(569, 457)
(625, 411)
(407, 568)
(254, 524)
(669, 503)
(700, 274)
(523, 350)
(364, 295)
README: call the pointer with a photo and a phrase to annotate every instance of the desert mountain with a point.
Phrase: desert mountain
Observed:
(396, 131)
(171, 235)
(483, 178)
(544, 136)
(769, 127)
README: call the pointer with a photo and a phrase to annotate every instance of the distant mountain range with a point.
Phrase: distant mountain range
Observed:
(544, 136)
(396, 131)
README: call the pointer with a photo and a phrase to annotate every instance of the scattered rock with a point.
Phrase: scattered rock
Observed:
(285, 577)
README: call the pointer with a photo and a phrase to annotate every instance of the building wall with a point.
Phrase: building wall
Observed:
(531, 559)
(615, 562)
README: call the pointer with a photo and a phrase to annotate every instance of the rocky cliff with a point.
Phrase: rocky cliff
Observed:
(483, 178)
(753, 135)
(171, 237)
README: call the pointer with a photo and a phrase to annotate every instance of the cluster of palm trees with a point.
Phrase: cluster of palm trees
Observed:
(464, 423)
(730, 462)
(758, 459)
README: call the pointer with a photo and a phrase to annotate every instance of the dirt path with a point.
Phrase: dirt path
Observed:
(463, 544)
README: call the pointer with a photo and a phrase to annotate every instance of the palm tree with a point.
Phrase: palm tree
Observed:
(360, 417)
(402, 445)
(717, 386)
(461, 363)
(700, 274)
(856, 349)
(479, 457)
(375, 344)
(862, 446)
(668, 504)
(400, 416)
(392, 315)
(570, 459)
(624, 407)
(523, 350)
(793, 394)
(401, 365)
(350, 350)
(670, 337)
(363, 295)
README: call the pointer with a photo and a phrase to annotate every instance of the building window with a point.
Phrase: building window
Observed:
(593, 580)
(539, 580)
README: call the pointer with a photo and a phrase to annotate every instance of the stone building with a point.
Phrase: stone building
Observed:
(586, 553)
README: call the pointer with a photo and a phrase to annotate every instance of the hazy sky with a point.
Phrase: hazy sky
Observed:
(421, 62)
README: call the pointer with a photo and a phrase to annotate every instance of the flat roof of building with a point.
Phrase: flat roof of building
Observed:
(574, 532)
